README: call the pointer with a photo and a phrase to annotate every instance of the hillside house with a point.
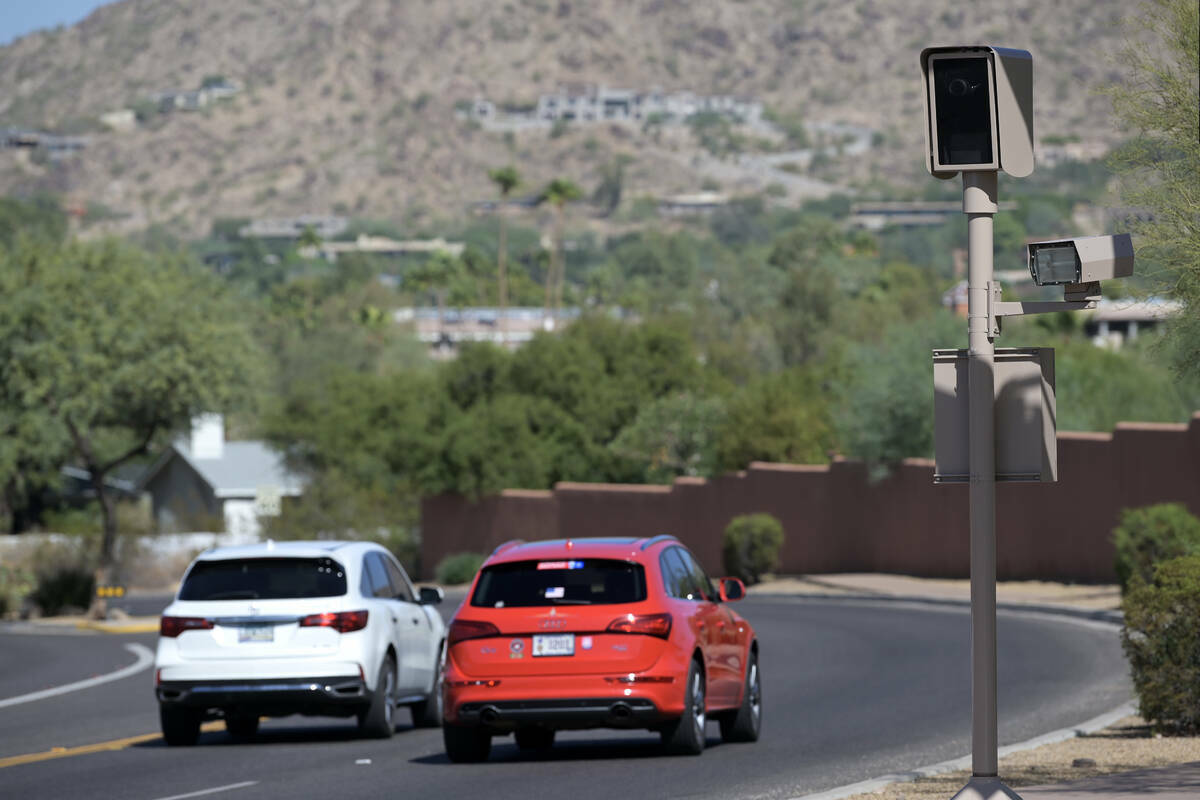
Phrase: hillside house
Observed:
(202, 481)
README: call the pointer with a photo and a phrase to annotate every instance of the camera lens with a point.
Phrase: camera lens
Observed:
(959, 88)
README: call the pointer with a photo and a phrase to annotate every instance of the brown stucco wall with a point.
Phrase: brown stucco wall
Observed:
(837, 520)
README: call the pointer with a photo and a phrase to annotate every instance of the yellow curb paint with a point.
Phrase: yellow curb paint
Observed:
(99, 747)
(104, 627)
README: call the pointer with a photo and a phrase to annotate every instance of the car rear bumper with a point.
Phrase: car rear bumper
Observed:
(334, 696)
(562, 701)
(589, 712)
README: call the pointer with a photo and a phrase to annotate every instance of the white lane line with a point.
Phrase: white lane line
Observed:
(213, 790)
(144, 659)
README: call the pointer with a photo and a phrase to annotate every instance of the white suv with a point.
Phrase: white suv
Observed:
(279, 628)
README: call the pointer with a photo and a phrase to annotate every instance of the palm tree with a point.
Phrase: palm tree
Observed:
(506, 179)
(558, 193)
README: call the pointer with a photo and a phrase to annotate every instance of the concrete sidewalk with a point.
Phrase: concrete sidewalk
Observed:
(1180, 782)
(1081, 597)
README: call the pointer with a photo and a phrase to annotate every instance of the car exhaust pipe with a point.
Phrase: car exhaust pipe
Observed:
(489, 715)
(620, 712)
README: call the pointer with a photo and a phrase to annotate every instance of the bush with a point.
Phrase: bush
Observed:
(459, 568)
(1161, 639)
(1146, 536)
(751, 546)
(62, 588)
(15, 583)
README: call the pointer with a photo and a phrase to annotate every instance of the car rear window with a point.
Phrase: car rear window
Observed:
(592, 581)
(264, 579)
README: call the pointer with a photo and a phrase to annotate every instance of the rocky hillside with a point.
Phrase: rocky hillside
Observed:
(349, 106)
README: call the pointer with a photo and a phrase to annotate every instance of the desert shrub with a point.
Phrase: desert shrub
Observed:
(751, 546)
(15, 583)
(1161, 639)
(65, 587)
(1146, 536)
(459, 568)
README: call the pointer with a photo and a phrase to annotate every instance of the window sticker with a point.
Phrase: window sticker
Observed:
(555, 592)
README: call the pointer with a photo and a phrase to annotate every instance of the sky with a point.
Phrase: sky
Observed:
(19, 17)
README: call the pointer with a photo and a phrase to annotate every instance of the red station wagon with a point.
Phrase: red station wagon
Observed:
(598, 633)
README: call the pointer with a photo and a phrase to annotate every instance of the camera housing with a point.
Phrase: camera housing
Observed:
(978, 110)
(1081, 259)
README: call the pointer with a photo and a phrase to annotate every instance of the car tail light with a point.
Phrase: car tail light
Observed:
(462, 629)
(173, 626)
(650, 624)
(342, 621)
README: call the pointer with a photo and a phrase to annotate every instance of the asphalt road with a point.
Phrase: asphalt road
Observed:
(852, 691)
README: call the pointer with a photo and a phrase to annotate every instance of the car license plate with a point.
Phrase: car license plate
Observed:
(554, 644)
(256, 633)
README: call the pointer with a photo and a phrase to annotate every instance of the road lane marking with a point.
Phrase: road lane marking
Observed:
(98, 747)
(144, 659)
(214, 790)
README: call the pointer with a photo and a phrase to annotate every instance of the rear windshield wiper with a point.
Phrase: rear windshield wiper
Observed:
(237, 594)
(562, 601)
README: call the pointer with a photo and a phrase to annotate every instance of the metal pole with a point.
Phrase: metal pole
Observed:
(979, 204)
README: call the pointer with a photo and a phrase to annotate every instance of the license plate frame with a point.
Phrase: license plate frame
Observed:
(553, 645)
(256, 633)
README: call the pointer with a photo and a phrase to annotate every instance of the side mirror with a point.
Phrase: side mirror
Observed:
(732, 589)
(430, 595)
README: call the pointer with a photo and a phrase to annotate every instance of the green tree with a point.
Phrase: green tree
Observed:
(40, 217)
(781, 417)
(116, 349)
(885, 399)
(1159, 104)
(436, 275)
(506, 179)
(558, 193)
(309, 238)
(672, 436)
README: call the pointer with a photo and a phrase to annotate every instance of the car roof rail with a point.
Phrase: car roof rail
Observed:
(508, 544)
(662, 537)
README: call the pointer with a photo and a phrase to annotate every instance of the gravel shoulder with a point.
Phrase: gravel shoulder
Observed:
(1127, 745)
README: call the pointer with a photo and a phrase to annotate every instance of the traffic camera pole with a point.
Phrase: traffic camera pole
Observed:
(979, 204)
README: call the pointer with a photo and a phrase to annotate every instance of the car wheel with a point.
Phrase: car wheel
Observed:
(241, 727)
(427, 713)
(180, 726)
(467, 744)
(533, 739)
(685, 736)
(379, 720)
(743, 725)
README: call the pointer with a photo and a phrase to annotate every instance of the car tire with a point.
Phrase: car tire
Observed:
(427, 713)
(685, 736)
(467, 744)
(241, 727)
(744, 724)
(534, 739)
(379, 720)
(180, 726)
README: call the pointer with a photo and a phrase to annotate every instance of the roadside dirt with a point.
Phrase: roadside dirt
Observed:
(1127, 745)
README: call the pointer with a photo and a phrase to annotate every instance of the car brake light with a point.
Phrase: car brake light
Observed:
(650, 624)
(342, 621)
(173, 626)
(461, 629)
